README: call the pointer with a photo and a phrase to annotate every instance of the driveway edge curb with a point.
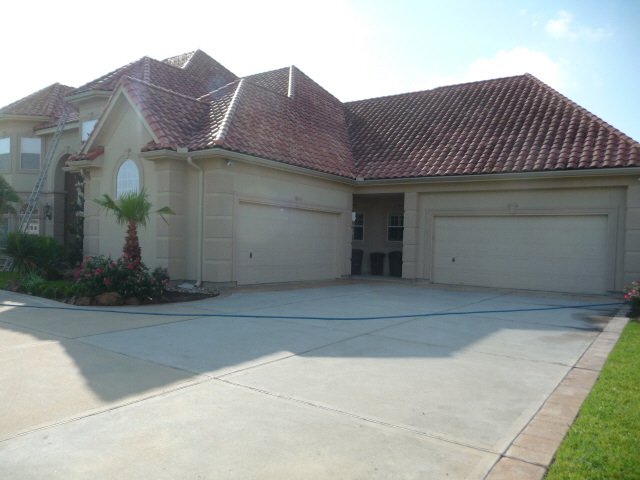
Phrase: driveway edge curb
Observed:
(532, 451)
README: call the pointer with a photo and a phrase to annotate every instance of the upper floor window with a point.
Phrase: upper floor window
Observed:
(87, 127)
(128, 178)
(395, 227)
(30, 150)
(357, 226)
(5, 153)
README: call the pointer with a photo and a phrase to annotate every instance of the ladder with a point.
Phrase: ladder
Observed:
(42, 176)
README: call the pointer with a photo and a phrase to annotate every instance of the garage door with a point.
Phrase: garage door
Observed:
(284, 244)
(543, 252)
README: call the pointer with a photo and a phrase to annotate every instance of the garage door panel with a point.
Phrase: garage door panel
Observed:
(545, 252)
(277, 244)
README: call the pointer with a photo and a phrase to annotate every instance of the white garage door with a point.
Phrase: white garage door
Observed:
(277, 244)
(564, 253)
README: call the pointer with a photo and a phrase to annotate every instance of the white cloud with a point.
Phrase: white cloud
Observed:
(505, 64)
(561, 27)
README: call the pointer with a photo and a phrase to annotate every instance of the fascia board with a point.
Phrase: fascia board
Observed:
(47, 131)
(86, 95)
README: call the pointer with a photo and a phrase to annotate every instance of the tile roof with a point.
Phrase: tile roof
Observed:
(47, 102)
(507, 125)
(194, 76)
(308, 130)
(276, 80)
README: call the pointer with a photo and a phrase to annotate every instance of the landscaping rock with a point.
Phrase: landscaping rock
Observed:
(107, 299)
(12, 285)
(132, 301)
(83, 301)
(72, 300)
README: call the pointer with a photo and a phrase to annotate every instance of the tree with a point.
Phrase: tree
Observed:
(7, 196)
(132, 209)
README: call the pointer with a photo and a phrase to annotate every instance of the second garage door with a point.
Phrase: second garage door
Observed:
(564, 253)
(277, 244)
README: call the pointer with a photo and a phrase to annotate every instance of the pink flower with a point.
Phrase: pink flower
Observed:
(130, 267)
(107, 280)
(633, 291)
(88, 257)
(627, 297)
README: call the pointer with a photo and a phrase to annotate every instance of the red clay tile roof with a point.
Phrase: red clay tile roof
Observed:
(47, 102)
(508, 125)
(308, 130)
(72, 118)
(92, 155)
(276, 80)
(194, 76)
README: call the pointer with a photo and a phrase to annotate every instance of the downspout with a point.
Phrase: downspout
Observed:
(200, 209)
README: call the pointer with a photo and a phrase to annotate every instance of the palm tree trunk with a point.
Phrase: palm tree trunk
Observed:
(132, 250)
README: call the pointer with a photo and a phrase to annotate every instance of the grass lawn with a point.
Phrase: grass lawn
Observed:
(604, 441)
(5, 277)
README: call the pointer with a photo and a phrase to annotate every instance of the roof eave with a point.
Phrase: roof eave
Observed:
(243, 157)
(29, 118)
(78, 97)
(595, 172)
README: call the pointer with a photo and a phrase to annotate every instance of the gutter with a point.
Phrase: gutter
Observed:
(200, 219)
(361, 182)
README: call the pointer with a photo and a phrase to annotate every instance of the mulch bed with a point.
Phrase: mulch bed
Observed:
(174, 296)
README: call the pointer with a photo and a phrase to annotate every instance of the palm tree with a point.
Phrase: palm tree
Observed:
(7, 195)
(133, 209)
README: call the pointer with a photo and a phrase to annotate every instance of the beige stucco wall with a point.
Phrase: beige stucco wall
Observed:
(228, 185)
(23, 181)
(610, 195)
(376, 209)
(125, 137)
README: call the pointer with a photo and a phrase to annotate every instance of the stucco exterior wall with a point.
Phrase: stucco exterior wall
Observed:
(376, 210)
(126, 136)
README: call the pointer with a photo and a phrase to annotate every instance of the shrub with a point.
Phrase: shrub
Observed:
(632, 294)
(29, 281)
(34, 253)
(99, 274)
(58, 290)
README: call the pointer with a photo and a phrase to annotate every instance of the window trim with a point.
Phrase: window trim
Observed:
(119, 169)
(39, 153)
(84, 138)
(354, 226)
(397, 227)
(8, 152)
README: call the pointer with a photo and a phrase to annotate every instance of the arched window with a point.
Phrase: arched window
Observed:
(128, 178)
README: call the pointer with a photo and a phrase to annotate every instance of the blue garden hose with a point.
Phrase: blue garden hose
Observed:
(127, 312)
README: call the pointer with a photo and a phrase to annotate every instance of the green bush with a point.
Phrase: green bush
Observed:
(29, 281)
(58, 290)
(34, 253)
(99, 274)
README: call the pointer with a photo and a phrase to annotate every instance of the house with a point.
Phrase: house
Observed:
(499, 183)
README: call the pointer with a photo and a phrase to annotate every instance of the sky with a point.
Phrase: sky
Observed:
(356, 49)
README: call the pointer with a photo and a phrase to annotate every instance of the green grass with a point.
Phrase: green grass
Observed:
(5, 277)
(604, 441)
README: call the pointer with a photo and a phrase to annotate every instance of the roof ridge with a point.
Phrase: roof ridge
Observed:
(584, 111)
(218, 89)
(146, 69)
(455, 85)
(228, 117)
(166, 90)
(291, 90)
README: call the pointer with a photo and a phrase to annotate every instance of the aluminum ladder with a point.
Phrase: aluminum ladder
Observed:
(42, 176)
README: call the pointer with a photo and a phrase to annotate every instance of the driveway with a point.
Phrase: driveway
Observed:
(105, 395)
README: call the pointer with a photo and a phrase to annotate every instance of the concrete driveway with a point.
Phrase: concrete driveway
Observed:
(103, 395)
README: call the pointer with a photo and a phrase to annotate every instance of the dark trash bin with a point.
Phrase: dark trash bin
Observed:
(395, 264)
(356, 261)
(377, 263)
